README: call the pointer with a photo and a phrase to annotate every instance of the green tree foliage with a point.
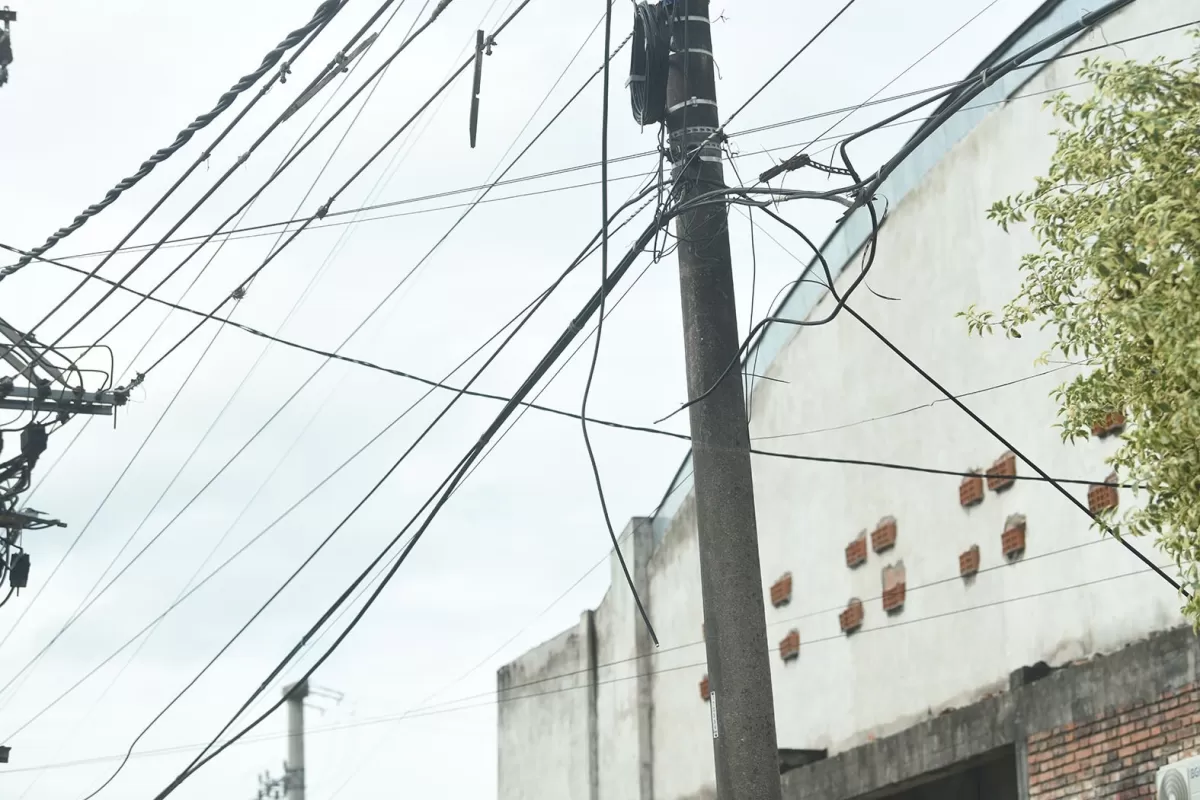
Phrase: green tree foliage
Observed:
(1117, 219)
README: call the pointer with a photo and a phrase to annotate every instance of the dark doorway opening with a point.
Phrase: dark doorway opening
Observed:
(990, 778)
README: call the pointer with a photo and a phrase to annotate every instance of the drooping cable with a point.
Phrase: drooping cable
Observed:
(587, 389)
(230, 461)
(438, 500)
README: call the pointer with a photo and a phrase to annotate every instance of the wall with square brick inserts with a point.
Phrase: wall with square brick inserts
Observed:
(956, 640)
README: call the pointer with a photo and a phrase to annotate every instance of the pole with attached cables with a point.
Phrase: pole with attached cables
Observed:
(742, 702)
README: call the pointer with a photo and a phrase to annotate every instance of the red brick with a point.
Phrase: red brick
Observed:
(1113, 423)
(968, 562)
(1012, 541)
(781, 590)
(884, 536)
(1001, 475)
(970, 491)
(1103, 498)
(852, 618)
(789, 647)
(856, 551)
(893, 599)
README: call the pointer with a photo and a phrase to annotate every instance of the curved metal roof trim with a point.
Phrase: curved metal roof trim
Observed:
(851, 233)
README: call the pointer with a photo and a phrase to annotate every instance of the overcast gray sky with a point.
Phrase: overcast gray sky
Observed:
(95, 88)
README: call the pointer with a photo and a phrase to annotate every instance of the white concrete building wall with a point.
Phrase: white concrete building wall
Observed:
(544, 699)
(616, 700)
(1071, 594)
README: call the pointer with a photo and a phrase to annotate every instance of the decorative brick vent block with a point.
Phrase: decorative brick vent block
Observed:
(1012, 541)
(1113, 424)
(884, 536)
(852, 618)
(856, 551)
(893, 587)
(970, 491)
(705, 691)
(968, 562)
(789, 647)
(1000, 476)
(781, 591)
(1103, 498)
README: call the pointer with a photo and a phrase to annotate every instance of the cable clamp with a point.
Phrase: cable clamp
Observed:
(691, 101)
(285, 69)
(489, 44)
(242, 159)
(323, 210)
(796, 162)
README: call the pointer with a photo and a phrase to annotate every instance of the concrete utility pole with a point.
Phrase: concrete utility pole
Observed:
(294, 771)
(743, 710)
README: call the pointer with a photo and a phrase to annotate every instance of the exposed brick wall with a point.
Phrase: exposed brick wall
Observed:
(1115, 756)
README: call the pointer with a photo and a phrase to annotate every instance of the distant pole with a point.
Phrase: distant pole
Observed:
(294, 774)
(743, 713)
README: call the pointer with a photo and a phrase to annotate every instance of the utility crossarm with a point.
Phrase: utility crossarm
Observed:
(32, 360)
(43, 398)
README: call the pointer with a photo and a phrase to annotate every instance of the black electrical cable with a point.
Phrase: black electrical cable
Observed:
(631, 156)
(215, 422)
(298, 390)
(964, 92)
(11, 591)
(587, 252)
(587, 389)
(649, 64)
(257, 193)
(165, 709)
(320, 212)
(146, 343)
(324, 14)
(445, 490)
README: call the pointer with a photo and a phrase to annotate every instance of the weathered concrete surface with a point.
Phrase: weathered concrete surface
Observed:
(1138, 673)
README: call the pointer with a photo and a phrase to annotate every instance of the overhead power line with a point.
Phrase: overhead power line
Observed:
(643, 154)
(226, 465)
(456, 707)
(301, 36)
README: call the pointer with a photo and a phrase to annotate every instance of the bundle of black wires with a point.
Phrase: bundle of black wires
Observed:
(649, 64)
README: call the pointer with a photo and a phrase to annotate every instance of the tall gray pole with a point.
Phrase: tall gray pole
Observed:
(294, 776)
(743, 712)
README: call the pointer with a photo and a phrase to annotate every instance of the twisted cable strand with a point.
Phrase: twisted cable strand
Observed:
(324, 13)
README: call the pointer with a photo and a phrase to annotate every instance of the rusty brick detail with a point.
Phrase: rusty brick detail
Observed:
(1114, 756)
(856, 551)
(1012, 541)
(781, 591)
(1000, 476)
(1112, 424)
(893, 587)
(852, 618)
(884, 536)
(789, 646)
(968, 562)
(1103, 498)
(970, 491)
(705, 691)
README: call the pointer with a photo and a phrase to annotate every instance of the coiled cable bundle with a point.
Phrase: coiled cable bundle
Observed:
(649, 64)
